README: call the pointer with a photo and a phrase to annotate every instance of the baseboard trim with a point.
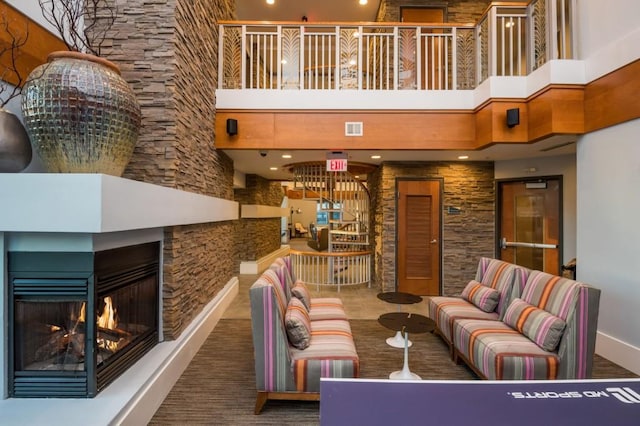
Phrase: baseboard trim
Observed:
(254, 267)
(615, 350)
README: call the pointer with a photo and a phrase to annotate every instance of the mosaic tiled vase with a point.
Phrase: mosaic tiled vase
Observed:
(81, 115)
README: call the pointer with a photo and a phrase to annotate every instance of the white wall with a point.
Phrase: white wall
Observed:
(609, 236)
(565, 166)
(608, 182)
(608, 34)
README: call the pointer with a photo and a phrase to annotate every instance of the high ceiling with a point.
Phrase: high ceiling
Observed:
(262, 162)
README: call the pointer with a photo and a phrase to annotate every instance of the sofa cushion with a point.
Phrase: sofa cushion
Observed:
(543, 328)
(332, 353)
(554, 294)
(499, 352)
(301, 291)
(444, 310)
(507, 278)
(298, 324)
(326, 308)
(485, 298)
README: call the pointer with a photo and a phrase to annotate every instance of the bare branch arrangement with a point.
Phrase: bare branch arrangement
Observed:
(82, 24)
(9, 59)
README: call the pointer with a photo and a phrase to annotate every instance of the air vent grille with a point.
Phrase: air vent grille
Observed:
(353, 128)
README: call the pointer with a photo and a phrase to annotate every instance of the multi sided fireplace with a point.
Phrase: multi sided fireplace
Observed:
(79, 320)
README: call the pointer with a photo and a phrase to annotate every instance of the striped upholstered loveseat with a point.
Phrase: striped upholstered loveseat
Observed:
(297, 341)
(544, 330)
(506, 278)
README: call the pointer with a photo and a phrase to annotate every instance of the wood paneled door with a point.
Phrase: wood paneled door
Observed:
(530, 223)
(418, 249)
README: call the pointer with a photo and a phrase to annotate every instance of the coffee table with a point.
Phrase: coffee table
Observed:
(399, 298)
(406, 323)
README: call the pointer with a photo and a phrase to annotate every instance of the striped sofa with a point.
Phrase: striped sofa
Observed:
(506, 278)
(547, 332)
(284, 371)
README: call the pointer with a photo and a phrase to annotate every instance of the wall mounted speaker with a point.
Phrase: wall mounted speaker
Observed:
(513, 117)
(232, 126)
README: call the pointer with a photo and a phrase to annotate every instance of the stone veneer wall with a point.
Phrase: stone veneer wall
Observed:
(167, 51)
(256, 238)
(466, 236)
(457, 11)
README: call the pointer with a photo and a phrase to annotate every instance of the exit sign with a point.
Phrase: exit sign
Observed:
(337, 165)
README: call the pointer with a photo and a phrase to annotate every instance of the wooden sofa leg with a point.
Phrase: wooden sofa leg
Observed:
(261, 399)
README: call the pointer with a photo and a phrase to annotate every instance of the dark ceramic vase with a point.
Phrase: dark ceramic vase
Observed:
(15, 148)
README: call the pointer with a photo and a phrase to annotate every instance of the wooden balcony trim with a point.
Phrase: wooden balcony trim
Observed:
(39, 44)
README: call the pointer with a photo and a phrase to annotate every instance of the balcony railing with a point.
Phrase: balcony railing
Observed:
(332, 269)
(511, 39)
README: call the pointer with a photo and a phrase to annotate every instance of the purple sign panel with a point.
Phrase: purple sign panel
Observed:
(494, 403)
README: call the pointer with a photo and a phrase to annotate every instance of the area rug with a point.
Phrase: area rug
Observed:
(218, 387)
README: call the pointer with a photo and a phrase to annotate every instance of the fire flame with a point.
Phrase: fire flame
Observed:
(108, 321)
(108, 317)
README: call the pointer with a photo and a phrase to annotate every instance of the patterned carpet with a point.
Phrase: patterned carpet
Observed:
(218, 387)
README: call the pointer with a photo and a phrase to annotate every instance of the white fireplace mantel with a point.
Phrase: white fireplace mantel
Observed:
(97, 203)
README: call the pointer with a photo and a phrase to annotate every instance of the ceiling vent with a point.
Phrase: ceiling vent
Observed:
(353, 128)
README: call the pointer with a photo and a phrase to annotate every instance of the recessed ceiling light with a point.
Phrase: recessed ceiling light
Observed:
(273, 168)
(271, 1)
(363, 2)
(376, 157)
(463, 157)
(286, 155)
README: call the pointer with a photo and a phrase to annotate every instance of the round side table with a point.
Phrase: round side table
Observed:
(406, 323)
(399, 298)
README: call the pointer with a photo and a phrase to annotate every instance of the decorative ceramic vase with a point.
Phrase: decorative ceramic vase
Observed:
(15, 148)
(81, 115)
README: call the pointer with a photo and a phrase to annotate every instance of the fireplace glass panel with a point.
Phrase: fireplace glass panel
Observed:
(124, 316)
(49, 335)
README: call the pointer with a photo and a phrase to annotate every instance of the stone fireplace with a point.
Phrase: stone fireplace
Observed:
(79, 320)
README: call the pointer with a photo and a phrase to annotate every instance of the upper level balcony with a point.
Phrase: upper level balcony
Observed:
(514, 50)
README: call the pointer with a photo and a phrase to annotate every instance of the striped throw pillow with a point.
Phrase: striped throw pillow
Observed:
(485, 298)
(300, 291)
(298, 324)
(543, 328)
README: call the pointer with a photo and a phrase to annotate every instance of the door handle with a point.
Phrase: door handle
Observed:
(504, 244)
(434, 241)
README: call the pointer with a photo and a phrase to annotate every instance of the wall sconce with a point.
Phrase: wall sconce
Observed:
(513, 117)
(232, 126)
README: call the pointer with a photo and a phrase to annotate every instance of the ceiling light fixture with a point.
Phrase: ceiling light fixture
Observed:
(286, 155)
(376, 157)
(273, 168)
(271, 1)
(363, 2)
(463, 157)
